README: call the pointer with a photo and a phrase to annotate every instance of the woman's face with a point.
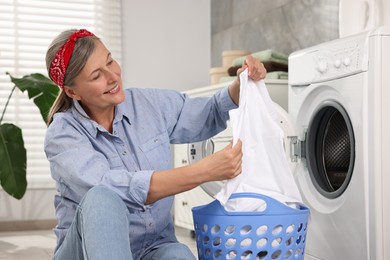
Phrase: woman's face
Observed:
(98, 87)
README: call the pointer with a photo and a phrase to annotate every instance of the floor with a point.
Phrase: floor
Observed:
(38, 245)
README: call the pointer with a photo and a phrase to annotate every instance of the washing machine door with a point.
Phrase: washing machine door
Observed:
(329, 147)
(199, 150)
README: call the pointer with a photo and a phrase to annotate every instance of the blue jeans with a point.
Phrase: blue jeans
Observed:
(100, 230)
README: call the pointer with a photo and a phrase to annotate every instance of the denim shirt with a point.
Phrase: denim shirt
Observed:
(83, 154)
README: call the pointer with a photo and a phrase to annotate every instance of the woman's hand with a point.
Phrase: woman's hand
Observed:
(256, 71)
(222, 165)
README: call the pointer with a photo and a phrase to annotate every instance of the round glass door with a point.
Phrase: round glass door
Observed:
(330, 149)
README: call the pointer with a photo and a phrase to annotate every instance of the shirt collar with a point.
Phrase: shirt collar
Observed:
(122, 113)
(90, 125)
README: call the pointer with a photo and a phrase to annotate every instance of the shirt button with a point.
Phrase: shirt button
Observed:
(156, 141)
(150, 224)
(124, 153)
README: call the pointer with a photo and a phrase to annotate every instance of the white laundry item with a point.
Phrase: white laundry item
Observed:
(231, 255)
(265, 169)
(230, 242)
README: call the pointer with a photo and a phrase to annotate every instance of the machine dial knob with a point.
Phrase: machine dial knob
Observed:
(322, 66)
(337, 63)
(347, 61)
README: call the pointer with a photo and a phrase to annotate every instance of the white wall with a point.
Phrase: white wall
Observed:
(166, 43)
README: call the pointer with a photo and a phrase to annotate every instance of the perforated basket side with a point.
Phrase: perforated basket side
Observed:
(249, 236)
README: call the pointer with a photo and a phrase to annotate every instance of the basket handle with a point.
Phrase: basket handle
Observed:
(273, 207)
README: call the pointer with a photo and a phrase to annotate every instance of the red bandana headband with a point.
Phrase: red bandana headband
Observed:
(60, 62)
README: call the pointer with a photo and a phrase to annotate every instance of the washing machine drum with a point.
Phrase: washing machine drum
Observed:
(330, 149)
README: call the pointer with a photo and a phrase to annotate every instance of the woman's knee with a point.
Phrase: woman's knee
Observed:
(102, 222)
(100, 198)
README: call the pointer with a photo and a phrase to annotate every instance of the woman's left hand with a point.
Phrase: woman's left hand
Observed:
(256, 71)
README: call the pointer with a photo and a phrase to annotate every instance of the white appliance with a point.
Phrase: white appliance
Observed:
(356, 16)
(339, 97)
(338, 100)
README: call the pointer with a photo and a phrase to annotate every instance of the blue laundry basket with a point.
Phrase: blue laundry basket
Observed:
(278, 232)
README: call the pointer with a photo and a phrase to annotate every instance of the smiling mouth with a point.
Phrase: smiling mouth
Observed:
(113, 90)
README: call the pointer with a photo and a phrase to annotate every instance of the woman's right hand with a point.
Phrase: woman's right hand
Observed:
(222, 165)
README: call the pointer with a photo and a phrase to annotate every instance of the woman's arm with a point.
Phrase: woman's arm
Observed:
(222, 165)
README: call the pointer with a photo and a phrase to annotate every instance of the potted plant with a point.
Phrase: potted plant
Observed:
(13, 156)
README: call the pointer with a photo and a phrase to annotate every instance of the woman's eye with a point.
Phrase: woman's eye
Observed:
(95, 77)
(110, 62)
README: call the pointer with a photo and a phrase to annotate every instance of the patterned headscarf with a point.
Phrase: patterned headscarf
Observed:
(60, 62)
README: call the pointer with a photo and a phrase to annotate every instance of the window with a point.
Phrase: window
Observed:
(27, 27)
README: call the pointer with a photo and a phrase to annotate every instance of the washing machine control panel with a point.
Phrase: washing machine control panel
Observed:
(331, 61)
(337, 63)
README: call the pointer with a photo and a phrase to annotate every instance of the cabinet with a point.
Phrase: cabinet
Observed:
(185, 202)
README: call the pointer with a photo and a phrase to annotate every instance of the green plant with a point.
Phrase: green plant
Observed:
(13, 159)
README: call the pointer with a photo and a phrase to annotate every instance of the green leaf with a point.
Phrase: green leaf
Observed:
(40, 88)
(12, 160)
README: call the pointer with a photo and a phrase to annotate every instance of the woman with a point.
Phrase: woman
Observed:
(109, 152)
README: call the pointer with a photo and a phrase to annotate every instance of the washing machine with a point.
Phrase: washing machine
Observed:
(339, 97)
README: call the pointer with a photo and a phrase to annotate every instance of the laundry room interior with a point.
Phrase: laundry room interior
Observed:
(327, 68)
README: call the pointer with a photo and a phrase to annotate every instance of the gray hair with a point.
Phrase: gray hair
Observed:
(81, 52)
